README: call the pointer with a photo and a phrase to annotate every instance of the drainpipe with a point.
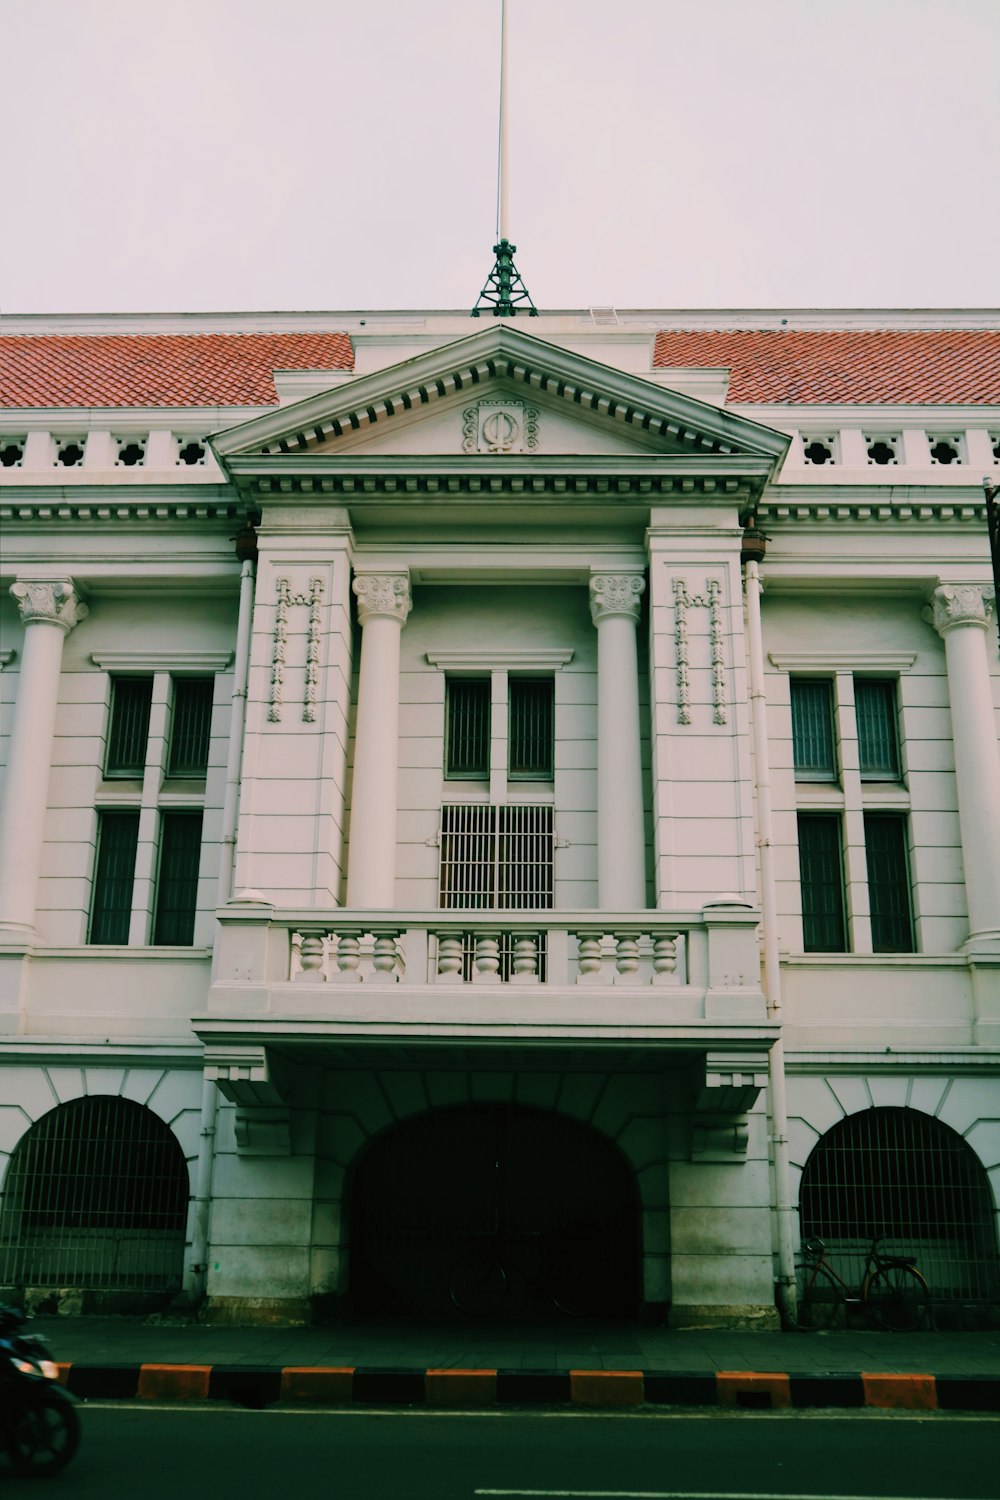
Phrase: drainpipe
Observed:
(196, 1271)
(777, 1099)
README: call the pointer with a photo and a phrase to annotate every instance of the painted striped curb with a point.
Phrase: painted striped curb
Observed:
(347, 1385)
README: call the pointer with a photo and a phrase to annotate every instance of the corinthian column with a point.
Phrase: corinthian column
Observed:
(384, 601)
(961, 614)
(621, 849)
(49, 609)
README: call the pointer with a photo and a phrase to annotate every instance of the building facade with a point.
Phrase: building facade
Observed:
(506, 792)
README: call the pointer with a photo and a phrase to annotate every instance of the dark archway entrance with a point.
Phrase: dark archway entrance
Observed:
(549, 1198)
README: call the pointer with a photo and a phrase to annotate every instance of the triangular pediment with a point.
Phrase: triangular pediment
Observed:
(499, 392)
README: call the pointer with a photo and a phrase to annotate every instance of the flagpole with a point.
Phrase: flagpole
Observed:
(503, 190)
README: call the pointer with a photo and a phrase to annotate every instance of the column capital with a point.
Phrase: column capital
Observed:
(954, 604)
(383, 594)
(615, 594)
(49, 601)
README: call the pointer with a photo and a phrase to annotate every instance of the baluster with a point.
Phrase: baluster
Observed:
(664, 959)
(525, 962)
(386, 957)
(311, 954)
(348, 958)
(589, 958)
(627, 958)
(487, 959)
(450, 958)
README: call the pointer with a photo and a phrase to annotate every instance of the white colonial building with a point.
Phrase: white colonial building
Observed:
(521, 787)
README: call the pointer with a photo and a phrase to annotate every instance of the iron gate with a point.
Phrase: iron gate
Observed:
(906, 1176)
(96, 1196)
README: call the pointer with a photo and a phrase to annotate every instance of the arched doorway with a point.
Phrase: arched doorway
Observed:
(905, 1175)
(96, 1197)
(550, 1198)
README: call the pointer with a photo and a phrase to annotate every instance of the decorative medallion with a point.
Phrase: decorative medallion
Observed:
(500, 427)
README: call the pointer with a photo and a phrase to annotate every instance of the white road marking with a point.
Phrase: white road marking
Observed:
(668, 1495)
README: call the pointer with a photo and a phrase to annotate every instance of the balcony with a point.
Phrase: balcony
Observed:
(666, 978)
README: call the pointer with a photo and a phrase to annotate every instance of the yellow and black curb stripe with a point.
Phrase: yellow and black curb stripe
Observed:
(312, 1385)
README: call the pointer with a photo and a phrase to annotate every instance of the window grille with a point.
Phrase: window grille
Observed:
(96, 1196)
(888, 883)
(467, 731)
(812, 729)
(177, 886)
(111, 912)
(129, 731)
(907, 1176)
(497, 856)
(875, 709)
(190, 726)
(822, 881)
(530, 743)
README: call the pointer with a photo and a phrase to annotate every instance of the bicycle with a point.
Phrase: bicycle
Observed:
(893, 1293)
(481, 1280)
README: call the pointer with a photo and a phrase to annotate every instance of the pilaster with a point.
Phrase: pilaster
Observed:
(961, 614)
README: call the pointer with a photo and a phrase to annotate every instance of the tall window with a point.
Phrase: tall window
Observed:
(176, 748)
(467, 728)
(812, 729)
(888, 883)
(496, 856)
(822, 878)
(530, 744)
(878, 748)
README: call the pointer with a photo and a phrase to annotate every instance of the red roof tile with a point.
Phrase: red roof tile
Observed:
(204, 369)
(853, 367)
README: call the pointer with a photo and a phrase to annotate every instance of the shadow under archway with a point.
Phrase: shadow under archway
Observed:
(494, 1211)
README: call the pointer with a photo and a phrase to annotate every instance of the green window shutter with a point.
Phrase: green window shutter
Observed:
(822, 878)
(530, 740)
(875, 709)
(177, 882)
(888, 883)
(467, 728)
(812, 729)
(190, 726)
(111, 912)
(128, 732)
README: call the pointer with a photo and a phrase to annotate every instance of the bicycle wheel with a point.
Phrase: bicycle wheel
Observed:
(478, 1284)
(578, 1287)
(820, 1298)
(897, 1298)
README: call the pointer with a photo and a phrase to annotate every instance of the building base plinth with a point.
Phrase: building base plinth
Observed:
(256, 1312)
(737, 1316)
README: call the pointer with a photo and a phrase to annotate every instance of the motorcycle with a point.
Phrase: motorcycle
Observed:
(39, 1426)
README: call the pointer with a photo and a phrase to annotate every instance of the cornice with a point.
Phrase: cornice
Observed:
(877, 416)
(472, 658)
(842, 661)
(925, 507)
(58, 511)
(161, 661)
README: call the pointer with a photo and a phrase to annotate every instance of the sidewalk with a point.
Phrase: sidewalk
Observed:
(389, 1364)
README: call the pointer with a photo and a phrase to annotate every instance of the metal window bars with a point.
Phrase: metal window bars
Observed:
(497, 857)
(96, 1197)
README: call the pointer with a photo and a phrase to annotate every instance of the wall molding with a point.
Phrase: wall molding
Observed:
(161, 661)
(515, 658)
(842, 661)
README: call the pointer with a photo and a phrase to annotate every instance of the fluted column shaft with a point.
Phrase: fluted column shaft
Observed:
(49, 609)
(384, 602)
(961, 614)
(621, 849)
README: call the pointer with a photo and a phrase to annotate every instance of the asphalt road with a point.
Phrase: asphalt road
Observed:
(161, 1452)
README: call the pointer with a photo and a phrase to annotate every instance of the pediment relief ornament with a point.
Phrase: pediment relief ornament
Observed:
(500, 427)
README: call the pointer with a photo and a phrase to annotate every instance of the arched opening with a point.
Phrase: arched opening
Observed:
(551, 1200)
(96, 1197)
(908, 1177)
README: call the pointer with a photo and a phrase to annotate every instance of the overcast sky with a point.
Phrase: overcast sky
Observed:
(248, 154)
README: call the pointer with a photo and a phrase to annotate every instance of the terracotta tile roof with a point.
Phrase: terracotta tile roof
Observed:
(205, 369)
(854, 367)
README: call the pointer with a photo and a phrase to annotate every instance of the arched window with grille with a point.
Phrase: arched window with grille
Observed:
(902, 1174)
(95, 1197)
